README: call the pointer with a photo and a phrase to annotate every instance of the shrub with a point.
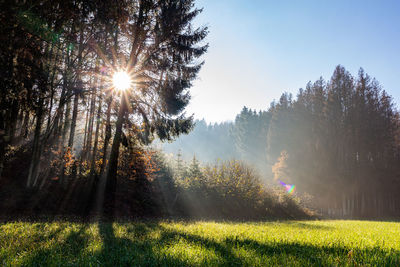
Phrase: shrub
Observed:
(231, 190)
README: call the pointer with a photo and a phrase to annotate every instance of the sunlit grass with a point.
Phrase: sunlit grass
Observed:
(291, 243)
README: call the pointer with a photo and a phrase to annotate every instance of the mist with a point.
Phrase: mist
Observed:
(336, 141)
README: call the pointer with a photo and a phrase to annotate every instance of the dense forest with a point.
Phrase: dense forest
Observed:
(337, 141)
(73, 141)
(103, 163)
(59, 108)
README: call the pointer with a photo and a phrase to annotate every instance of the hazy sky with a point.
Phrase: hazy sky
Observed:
(259, 49)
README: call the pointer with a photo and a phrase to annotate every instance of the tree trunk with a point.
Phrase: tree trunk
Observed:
(2, 141)
(107, 136)
(24, 129)
(96, 139)
(85, 132)
(52, 90)
(91, 120)
(67, 123)
(72, 132)
(34, 166)
(94, 178)
(111, 183)
(73, 122)
(13, 121)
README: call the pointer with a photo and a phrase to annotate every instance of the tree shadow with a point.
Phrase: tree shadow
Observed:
(138, 250)
(289, 253)
(150, 244)
(145, 251)
(69, 249)
(312, 255)
(223, 249)
(304, 225)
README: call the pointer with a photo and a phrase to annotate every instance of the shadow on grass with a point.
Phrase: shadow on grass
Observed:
(61, 251)
(156, 244)
(135, 251)
(145, 251)
(303, 225)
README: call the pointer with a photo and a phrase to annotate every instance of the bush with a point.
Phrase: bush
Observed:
(230, 190)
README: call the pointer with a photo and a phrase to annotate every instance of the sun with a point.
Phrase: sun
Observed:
(121, 80)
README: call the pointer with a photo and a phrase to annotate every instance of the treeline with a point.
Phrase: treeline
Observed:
(337, 141)
(61, 117)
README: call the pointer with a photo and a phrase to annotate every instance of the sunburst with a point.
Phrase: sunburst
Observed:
(121, 80)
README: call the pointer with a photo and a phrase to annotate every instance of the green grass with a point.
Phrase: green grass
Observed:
(288, 243)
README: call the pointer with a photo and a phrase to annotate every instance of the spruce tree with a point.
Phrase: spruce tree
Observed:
(163, 62)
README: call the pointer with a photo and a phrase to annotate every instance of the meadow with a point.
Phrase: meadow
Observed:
(198, 243)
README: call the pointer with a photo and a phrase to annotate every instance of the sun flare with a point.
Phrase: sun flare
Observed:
(121, 80)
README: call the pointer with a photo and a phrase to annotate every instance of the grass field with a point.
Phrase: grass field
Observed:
(288, 243)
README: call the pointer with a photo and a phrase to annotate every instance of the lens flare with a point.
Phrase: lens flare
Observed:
(288, 187)
(291, 189)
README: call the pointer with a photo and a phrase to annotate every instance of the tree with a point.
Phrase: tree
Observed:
(162, 60)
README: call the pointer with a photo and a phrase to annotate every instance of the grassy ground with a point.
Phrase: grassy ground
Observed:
(292, 243)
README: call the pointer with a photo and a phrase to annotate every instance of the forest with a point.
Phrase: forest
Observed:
(86, 87)
(90, 90)
(62, 114)
(337, 141)
(108, 156)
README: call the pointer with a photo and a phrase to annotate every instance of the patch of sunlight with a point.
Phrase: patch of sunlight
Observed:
(92, 248)
(248, 256)
(192, 254)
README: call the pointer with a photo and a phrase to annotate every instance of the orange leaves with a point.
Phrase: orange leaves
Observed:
(280, 168)
(138, 163)
(150, 165)
(68, 158)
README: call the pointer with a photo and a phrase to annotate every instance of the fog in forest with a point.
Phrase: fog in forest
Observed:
(337, 141)
(95, 118)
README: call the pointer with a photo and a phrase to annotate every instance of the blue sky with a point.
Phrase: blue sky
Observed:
(259, 49)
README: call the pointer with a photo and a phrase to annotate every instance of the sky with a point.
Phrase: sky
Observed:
(262, 48)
